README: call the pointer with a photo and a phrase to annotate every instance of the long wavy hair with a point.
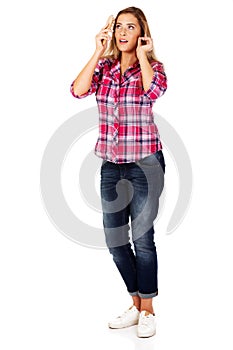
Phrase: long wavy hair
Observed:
(112, 51)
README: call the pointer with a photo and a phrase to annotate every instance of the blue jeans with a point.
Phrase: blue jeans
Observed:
(132, 190)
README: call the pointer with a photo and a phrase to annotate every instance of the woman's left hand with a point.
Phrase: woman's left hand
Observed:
(145, 44)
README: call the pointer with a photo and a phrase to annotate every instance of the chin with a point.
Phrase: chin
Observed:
(127, 50)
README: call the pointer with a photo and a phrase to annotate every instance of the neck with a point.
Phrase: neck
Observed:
(128, 59)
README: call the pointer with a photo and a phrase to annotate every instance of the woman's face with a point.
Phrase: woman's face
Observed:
(127, 32)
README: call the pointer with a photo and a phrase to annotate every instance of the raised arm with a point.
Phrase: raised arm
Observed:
(146, 69)
(83, 81)
(154, 79)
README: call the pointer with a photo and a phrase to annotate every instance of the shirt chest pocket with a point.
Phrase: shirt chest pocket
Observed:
(136, 94)
(137, 103)
(107, 91)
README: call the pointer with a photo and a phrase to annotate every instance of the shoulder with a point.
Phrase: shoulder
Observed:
(157, 65)
(106, 62)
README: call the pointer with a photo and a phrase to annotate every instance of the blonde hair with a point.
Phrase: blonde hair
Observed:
(112, 51)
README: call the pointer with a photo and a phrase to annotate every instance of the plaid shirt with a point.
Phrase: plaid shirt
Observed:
(127, 131)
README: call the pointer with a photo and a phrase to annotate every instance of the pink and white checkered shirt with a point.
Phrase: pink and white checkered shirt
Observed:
(127, 131)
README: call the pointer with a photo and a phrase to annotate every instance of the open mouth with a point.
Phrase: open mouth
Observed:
(123, 41)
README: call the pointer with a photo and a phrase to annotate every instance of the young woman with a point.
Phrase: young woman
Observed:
(127, 79)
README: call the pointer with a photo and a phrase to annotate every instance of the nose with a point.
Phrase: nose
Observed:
(122, 31)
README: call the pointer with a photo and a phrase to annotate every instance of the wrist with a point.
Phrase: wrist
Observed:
(142, 57)
(97, 54)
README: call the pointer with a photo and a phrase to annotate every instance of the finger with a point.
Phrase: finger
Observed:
(109, 22)
(106, 26)
(147, 39)
(140, 39)
(105, 31)
(104, 37)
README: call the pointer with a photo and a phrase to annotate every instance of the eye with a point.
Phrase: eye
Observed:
(131, 27)
(118, 26)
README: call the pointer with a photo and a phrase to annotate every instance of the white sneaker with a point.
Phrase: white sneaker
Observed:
(128, 318)
(146, 325)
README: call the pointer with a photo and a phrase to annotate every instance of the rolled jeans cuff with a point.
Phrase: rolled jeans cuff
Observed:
(144, 296)
(133, 294)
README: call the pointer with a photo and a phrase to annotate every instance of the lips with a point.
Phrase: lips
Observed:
(123, 41)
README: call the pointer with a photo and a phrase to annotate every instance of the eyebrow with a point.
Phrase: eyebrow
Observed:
(127, 23)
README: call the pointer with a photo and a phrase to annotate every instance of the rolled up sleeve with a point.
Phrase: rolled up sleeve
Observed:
(97, 75)
(159, 82)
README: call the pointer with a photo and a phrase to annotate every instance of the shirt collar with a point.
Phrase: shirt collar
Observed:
(116, 70)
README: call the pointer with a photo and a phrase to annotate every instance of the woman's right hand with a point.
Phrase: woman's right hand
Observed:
(83, 82)
(102, 39)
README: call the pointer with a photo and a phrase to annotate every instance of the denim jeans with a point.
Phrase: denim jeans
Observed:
(132, 190)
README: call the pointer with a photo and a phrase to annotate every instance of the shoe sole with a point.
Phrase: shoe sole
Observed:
(125, 326)
(148, 335)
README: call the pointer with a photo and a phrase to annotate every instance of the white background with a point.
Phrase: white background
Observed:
(56, 294)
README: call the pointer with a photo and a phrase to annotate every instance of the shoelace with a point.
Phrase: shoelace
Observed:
(125, 313)
(143, 320)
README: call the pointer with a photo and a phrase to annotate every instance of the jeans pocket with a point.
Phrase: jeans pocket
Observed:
(159, 156)
(154, 159)
(104, 162)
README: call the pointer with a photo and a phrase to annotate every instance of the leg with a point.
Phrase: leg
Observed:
(137, 301)
(146, 263)
(147, 305)
(143, 304)
(114, 195)
(147, 180)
